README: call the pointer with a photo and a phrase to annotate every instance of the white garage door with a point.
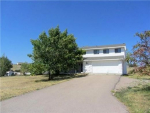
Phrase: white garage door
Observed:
(107, 67)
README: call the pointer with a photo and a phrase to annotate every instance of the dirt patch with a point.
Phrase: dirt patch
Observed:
(129, 82)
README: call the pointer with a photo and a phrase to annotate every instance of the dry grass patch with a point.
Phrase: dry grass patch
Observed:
(16, 67)
(137, 98)
(17, 85)
(136, 75)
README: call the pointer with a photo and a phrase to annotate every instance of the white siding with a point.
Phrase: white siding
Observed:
(90, 53)
(87, 67)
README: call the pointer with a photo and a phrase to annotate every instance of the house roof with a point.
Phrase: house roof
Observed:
(103, 46)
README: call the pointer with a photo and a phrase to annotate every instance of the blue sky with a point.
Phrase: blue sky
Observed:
(92, 23)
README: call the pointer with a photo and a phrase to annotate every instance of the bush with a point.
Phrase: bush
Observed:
(141, 70)
(132, 71)
(17, 70)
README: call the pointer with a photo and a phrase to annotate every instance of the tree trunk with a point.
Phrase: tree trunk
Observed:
(57, 72)
(50, 76)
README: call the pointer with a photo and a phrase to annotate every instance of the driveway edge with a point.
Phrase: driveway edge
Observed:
(113, 93)
(116, 84)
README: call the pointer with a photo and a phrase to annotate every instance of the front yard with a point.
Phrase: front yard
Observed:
(136, 98)
(17, 85)
(137, 76)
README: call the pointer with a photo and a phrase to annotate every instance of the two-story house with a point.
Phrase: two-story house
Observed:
(109, 59)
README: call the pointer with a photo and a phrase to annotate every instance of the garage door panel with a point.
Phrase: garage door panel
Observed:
(107, 67)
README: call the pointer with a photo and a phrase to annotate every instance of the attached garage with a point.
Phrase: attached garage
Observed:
(104, 67)
(107, 59)
(107, 67)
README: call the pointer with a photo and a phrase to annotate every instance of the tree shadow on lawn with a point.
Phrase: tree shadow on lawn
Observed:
(62, 77)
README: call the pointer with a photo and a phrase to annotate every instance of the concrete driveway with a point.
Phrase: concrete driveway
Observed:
(90, 94)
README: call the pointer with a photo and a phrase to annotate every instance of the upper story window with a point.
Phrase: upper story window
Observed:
(96, 51)
(106, 51)
(118, 50)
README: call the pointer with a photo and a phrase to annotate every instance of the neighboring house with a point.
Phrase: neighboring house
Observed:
(19, 63)
(109, 59)
(17, 73)
(27, 73)
(9, 73)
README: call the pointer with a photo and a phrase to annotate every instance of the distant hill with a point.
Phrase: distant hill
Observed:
(16, 67)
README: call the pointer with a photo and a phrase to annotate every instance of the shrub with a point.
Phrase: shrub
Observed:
(143, 70)
(17, 70)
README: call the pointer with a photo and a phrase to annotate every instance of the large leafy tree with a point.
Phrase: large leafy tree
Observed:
(58, 51)
(36, 68)
(5, 65)
(141, 52)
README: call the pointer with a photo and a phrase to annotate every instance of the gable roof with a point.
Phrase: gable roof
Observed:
(103, 46)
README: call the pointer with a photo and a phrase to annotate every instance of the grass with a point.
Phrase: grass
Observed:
(17, 85)
(16, 67)
(137, 98)
(137, 76)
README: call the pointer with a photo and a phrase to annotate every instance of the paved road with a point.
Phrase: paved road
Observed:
(90, 94)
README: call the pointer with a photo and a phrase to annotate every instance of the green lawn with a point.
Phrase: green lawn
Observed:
(137, 98)
(17, 85)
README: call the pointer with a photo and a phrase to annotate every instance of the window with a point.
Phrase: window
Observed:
(118, 50)
(106, 51)
(96, 51)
